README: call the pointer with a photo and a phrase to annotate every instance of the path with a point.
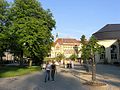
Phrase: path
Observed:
(35, 81)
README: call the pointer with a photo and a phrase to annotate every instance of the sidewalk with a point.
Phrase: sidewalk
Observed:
(83, 76)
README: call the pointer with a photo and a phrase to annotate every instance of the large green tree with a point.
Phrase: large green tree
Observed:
(31, 26)
(3, 26)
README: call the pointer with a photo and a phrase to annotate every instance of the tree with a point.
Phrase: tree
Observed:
(3, 26)
(60, 57)
(85, 52)
(89, 50)
(93, 47)
(3, 15)
(73, 57)
(32, 26)
(83, 40)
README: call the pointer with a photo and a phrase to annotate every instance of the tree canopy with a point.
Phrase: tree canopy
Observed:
(29, 29)
(3, 26)
(85, 53)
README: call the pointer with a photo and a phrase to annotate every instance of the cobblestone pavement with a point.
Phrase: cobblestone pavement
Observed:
(35, 81)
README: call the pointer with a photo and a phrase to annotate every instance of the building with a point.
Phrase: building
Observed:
(8, 56)
(109, 38)
(65, 46)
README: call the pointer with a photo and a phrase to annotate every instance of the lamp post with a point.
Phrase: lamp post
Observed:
(76, 50)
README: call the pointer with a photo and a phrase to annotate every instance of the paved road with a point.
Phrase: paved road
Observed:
(108, 70)
(64, 81)
(109, 74)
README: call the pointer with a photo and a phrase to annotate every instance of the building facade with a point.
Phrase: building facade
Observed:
(65, 46)
(109, 39)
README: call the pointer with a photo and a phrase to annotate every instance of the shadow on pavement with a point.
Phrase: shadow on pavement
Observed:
(113, 83)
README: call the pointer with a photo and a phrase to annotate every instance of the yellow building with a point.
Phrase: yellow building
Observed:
(65, 46)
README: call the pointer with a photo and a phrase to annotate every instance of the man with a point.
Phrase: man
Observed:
(53, 70)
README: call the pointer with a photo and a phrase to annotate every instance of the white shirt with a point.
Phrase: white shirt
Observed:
(48, 67)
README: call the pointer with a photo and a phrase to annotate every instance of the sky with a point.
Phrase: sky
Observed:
(75, 18)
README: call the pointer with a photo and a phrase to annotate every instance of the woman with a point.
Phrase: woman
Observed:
(47, 71)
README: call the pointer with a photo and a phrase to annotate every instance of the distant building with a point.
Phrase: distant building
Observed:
(8, 56)
(109, 38)
(66, 46)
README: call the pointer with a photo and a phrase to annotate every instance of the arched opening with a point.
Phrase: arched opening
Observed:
(102, 54)
(114, 52)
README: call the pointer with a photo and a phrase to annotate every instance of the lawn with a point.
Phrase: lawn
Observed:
(11, 71)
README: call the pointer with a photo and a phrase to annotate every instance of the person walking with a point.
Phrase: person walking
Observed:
(47, 71)
(72, 64)
(53, 70)
(65, 63)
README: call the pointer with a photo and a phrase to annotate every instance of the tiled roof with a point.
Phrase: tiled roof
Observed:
(66, 41)
(110, 31)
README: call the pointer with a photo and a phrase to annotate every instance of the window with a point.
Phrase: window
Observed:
(113, 52)
(102, 54)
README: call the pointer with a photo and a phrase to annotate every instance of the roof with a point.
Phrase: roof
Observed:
(109, 31)
(66, 41)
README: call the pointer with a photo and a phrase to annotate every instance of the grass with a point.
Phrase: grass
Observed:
(12, 71)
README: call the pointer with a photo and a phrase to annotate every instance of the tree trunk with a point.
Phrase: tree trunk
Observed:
(30, 62)
(1, 58)
(93, 69)
(1, 61)
(21, 58)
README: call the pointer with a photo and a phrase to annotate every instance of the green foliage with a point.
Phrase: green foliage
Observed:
(47, 59)
(29, 30)
(89, 49)
(3, 26)
(93, 46)
(60, 57)
(83, 40)
(3, 14)
(85, 53)
(73, 57)
(25, 29)
(32, 24)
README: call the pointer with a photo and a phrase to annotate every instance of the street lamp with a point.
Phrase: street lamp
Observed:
(76, 50)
